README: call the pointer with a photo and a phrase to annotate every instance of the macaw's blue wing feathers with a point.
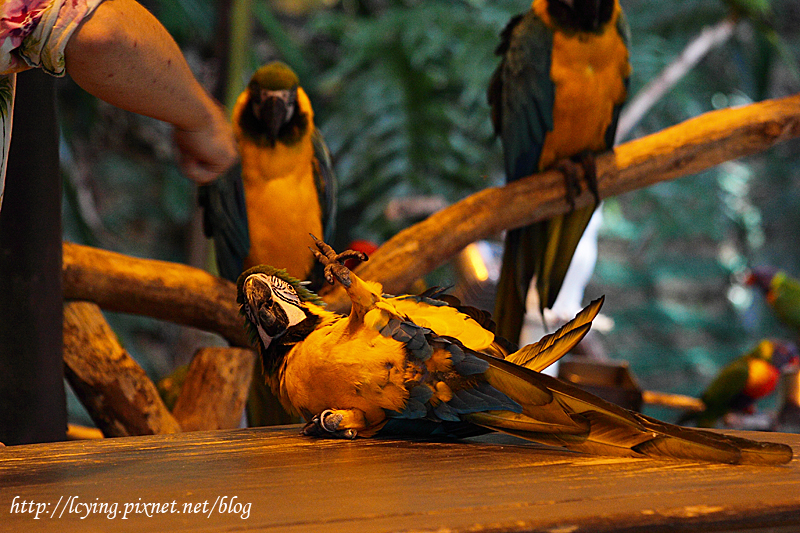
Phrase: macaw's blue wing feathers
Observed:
(411, 335)
(326, 183)
(522, 94)
(225, 221)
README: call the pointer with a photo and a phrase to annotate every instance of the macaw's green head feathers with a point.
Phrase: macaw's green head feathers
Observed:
(581, 15)
(273, 111)
(275, 76)
(272, 302)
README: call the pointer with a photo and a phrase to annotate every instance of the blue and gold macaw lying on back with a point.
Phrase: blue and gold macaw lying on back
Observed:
(421, 365)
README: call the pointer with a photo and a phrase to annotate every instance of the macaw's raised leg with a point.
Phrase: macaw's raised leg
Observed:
(334, 267)
(571, 169)
(336, 423)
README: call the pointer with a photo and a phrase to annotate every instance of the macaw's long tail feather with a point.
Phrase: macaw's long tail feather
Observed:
(562, 237)
(516, 272)
(557, 413)
(553, 347)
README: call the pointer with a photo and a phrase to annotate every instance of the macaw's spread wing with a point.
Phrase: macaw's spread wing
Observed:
(225, 221)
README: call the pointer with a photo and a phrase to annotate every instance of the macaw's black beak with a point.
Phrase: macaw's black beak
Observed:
(262, 310)
(273, 115)
(590, 13)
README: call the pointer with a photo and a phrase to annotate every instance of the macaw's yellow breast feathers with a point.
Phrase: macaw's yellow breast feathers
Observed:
(347, 375)
(590, 72)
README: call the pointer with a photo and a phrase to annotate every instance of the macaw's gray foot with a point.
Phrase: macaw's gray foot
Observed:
(334, 267)
(326, 424)
(572, 168)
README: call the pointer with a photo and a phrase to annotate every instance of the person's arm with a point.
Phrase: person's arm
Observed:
(123, 55)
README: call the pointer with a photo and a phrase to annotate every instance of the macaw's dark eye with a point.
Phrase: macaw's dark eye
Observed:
(283, 290)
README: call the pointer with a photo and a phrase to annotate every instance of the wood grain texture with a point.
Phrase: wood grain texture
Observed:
(299, 484)
(214, 393)
(167, 291)
(687, 148)
(115, 390)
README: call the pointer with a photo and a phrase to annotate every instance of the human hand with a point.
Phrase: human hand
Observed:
(207, 152)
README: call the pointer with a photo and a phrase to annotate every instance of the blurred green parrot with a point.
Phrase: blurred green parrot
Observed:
(556, 94)
(781, 291)
(418, 365)
(745, 380)
(284, 190)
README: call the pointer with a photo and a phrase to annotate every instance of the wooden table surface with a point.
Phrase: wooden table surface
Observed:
(275, 480)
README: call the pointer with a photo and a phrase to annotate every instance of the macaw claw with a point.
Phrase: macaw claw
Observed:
(570, 169)
(326, 424)
(334, 267)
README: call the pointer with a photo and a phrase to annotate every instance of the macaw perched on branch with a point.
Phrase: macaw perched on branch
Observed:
(418, 365)
(556, 94)
(285, 188)
(781, 291)
(745, 380)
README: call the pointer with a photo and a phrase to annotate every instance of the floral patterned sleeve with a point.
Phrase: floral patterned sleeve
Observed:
(33, 33)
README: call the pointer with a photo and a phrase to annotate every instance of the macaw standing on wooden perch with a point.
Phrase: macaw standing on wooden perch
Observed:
(419, 365)
(745, 380)
(284, 190)
(556, 94)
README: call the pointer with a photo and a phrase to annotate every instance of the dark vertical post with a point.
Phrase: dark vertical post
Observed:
(32, 398)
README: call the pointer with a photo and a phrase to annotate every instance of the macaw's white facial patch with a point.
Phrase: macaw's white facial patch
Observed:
(286, 296)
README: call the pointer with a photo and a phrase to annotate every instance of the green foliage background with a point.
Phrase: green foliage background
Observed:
(399, 92)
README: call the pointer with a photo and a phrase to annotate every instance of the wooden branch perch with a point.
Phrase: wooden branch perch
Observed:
(158, 289)
(215, 390)
(119, 396)
(687, 148)
(189, 296)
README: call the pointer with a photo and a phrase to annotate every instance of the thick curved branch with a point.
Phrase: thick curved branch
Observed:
(687, 148)
(189, 296)
(159, 289)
